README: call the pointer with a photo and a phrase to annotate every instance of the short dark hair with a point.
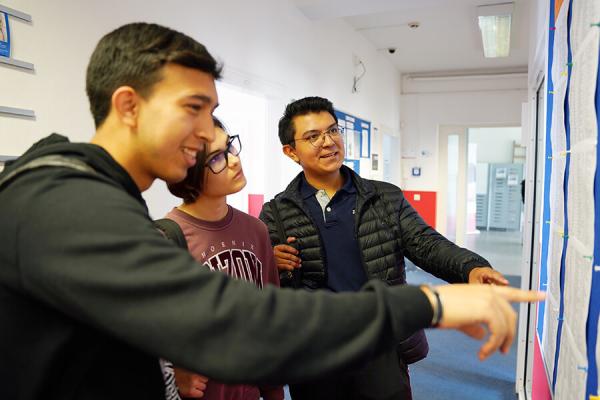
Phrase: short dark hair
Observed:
(134, 55)
(303, 106)
(190, 188)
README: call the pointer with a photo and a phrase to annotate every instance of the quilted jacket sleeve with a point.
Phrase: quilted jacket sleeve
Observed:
(431, 251)
(266, 216)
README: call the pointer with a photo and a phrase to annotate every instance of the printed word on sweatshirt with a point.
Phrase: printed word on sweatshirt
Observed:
(238, 263)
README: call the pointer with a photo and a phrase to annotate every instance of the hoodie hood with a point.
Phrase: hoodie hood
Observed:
(93, 155)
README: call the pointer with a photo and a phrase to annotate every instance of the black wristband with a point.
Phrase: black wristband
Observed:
(438, 310)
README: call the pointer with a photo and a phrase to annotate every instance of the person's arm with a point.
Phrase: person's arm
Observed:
(287, 258)
(431, 251)
(92, 253)
(477, 310)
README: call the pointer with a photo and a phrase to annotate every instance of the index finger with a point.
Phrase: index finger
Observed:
(517, 295)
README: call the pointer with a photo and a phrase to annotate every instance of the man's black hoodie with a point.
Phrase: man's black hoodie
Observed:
(91, 295)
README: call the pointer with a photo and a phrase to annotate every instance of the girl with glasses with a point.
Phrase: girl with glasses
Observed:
(225, 240)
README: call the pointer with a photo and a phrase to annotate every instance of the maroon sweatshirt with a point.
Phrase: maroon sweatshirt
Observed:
(239, 246)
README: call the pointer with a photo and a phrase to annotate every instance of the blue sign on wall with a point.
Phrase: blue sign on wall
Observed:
(4, 35)
(357, 135)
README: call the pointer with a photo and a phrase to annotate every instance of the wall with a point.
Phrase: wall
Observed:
(471, 102)
(495, 145)
(563, 329)
(267, 46)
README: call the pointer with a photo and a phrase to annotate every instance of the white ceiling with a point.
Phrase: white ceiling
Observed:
(448, 38)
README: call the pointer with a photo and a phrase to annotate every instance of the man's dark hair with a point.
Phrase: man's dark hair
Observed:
(134, 55)
(303, 106)
(190, 188)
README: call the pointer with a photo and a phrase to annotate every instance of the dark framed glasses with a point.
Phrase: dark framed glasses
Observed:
(219, 161)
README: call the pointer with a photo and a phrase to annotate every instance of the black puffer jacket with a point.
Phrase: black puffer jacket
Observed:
(387, 228)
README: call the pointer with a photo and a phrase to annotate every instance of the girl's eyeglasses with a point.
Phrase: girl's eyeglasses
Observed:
(218, 162)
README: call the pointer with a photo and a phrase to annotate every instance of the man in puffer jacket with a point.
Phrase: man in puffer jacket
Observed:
(333, 230)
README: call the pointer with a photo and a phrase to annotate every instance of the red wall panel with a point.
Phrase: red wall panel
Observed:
(424, 203)
(255, 203)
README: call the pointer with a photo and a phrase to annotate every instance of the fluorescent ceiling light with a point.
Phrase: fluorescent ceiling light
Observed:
(494, 23)
(481, 75)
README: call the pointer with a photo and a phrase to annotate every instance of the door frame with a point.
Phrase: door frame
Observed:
(461, 190)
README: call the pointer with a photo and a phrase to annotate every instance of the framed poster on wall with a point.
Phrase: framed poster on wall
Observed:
(365, 139)
(4, 35)
(357, 135)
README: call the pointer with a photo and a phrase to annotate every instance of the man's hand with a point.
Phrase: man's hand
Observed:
(286, 257)
(474, 308)
(190, 384)
(487, 275)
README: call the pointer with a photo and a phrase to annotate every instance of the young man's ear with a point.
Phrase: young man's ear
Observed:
(125, 103)
(289, 151)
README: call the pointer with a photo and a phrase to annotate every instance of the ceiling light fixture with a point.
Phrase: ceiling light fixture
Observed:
(470, 76)
(494, 23)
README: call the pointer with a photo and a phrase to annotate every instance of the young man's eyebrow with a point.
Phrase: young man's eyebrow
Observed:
(318, 131)
(201, 97)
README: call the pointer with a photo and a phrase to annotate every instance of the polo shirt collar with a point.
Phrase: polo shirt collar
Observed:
(307, 190)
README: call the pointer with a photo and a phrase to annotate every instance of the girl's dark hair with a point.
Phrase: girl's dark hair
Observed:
(190, 188)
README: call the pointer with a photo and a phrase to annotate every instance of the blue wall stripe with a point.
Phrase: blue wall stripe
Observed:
(547, 176)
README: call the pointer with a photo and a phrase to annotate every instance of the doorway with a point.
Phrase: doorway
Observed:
(481, 170)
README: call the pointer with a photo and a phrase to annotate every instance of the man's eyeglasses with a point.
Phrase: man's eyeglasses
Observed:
(218, 162)
(317, 138)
